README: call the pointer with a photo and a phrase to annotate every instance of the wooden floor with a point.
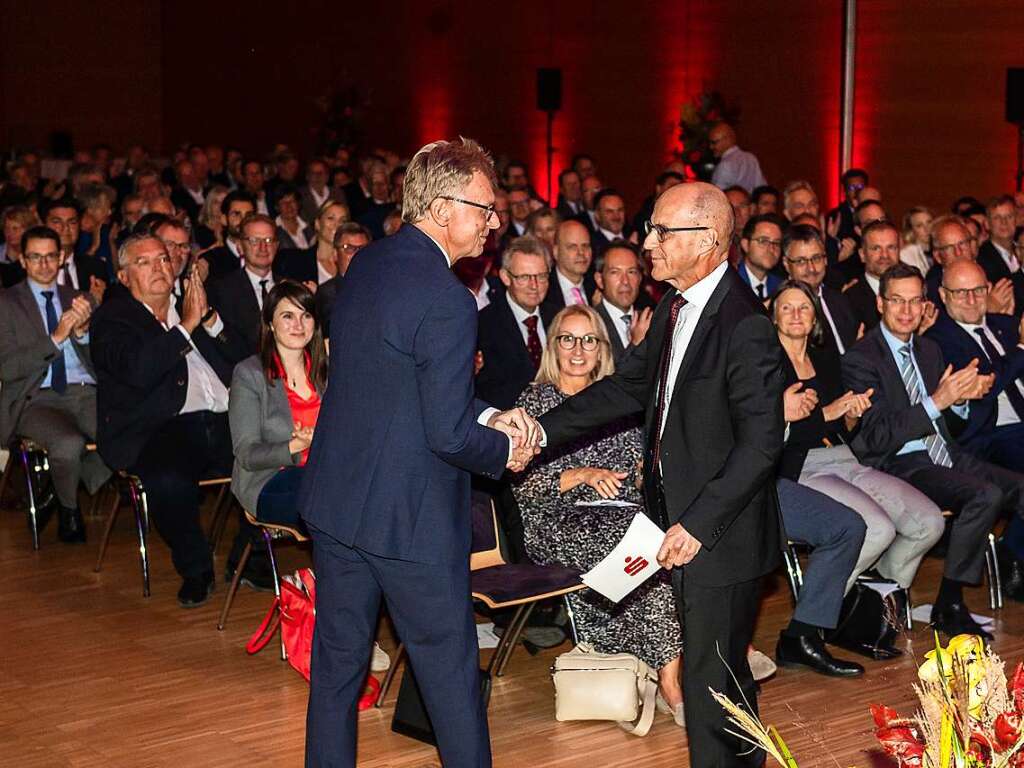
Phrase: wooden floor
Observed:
(93, 674)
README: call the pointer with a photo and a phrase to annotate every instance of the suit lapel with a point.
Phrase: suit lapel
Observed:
(28, 305)
(706, 321)
(610, 326)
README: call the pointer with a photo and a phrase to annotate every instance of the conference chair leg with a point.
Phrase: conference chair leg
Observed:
(908, 609)
(503, 642)
(229, 598)
(32, 511)
(111, 518)
(575, 635)
(793, 575)
(515, 633)
(221, 509)
(138, 496)
(995, 582)
(277, 580)
(390, 676)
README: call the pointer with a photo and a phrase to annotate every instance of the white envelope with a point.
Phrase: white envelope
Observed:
(630, 563)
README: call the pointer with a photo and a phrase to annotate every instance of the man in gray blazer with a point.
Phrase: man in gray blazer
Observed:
(625, 310)
(49, 387)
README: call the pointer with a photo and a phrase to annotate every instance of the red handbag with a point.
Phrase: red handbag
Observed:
(295, 613)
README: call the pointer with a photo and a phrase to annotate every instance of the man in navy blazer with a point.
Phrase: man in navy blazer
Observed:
(386, 495)
(761, 244)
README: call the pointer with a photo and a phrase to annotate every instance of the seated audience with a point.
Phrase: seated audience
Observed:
(316, 264)
(625, 311)
(902, 523)
(603, 465)
(997, 254)
(804, 259)
(292, 231)
(79, 272)
(162, 402)
(188, 194)
(227, 257)
(592, 186)
(917, 223)
(879, 250)
(995, 423)
(918, 406)
(511, 332)
(273, 405)
(315, 193)
(841, 218)
(798, 198)
(97, 202)
(349, 239)
(761, 247)
(763, 200)
(49, 385)
(238, 296)
(543, 224)
(570, 194)
(209, 230)
(571, 280)
(15, 220)
(609, 219)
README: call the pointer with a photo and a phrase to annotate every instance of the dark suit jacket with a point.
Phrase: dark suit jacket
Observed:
(959, 347)
(222, 261)
(397, 434)
(891, 421)
(863, 302)
(286, 241)
(723, 431)
(565, 211)
(325, 296)
(183, 201)
(89, 266)
(308, 207)
(618, 350)
(845, 320)
(772, 281)
(27, 351)
(996, 270)
(811, 432)
(235, 301)
(846, 223)
(554, 301)
(297, 264)
(507, 366)
(142, 376)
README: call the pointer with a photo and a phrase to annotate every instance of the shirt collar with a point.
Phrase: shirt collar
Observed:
(700, 292)
(520, 313)
(611, 235)
(895, 345)
(614, 311)
(565, 283)
(730, 151)
(873, 282)
(37, 289)
(971, 328)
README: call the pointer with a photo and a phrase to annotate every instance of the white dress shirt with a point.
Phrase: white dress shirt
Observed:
(68, 275)
(205, 390)
(566, 285)
(914, 255)
(234, 248)
(621, 325)
(611, 236)
(319, 198)
(756, 283)
(831, 323)
(697, 297)
(322, 275)
(874, 283)
(738, 168)
(1008, 258)
(481, 297)
(520, 229)
(1005, 414)
(521, 315)
(255, 280)
(299, 237)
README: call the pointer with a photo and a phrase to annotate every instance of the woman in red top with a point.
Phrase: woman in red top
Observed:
(274, 403)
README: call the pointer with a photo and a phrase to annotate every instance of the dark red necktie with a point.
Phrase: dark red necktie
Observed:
(666, 357)
(533, 346)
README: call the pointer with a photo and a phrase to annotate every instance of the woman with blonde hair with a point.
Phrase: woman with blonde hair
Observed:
(605, 465)
(210, 229)
(916, 224)
(316, 264)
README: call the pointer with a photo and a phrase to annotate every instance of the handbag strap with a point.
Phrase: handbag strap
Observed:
(267, 628)
(647, 687)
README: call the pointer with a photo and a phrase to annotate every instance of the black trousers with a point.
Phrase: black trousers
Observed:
(975, 491)
(186, 449)
(718, 625)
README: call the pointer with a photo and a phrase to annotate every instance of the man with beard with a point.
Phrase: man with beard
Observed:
(226, 258)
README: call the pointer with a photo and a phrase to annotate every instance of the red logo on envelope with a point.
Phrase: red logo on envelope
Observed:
(635, 564)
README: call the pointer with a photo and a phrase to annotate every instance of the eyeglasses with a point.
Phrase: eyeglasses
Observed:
(521, 280)
(899, 302)
(1006, 218)
(150, 263)
(590, 342)
(350, 248)
(767, 242)
(256, 242)
(488, 209)
(817, 261)
(173, 246)
(661, 231)
(35, 258)
(953, 246)
(961, 294)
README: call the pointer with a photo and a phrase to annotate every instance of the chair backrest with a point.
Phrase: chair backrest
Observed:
(486, 549)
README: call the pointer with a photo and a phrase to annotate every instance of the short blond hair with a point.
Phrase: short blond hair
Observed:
(549, 372)
(442, 168)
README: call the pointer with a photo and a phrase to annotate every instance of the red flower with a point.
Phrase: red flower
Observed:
(884, 716)
(1016, 688)
(902, 743)
(1007, 729)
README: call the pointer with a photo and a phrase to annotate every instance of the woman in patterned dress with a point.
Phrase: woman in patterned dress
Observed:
(603, 465)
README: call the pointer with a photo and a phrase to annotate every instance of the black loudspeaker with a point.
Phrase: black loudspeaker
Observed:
(411, 718)
(1015, 95)
(549, 89)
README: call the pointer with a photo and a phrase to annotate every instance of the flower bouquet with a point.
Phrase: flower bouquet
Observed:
(696, 118)
(970, 717)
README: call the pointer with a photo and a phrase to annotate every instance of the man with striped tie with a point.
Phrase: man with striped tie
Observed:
(919, 406)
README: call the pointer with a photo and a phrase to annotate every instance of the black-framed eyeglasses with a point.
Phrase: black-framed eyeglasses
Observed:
(488, 209)
(978, 292)
(590, 342)
(35, 258)
(767, 242)
(661, 231)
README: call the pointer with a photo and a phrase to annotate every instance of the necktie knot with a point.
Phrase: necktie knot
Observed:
(677, 305)
(48, 295)
(531, 322)
(627, 319)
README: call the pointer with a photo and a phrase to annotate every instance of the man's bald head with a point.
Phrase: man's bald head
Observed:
(964, 291)
(685, 256)
(720, 138)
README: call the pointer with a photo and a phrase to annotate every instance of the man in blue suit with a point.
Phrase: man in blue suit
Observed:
(995, 423)
(761, 245)
(386, 496)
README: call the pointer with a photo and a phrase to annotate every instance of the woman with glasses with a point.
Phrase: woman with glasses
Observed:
(602, 466)
(902, 523)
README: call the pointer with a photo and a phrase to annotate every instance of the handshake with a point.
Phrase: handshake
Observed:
(524, 432)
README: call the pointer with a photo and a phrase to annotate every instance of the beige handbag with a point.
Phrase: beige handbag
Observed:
(604, 686)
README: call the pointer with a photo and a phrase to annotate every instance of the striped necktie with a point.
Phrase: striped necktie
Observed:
(936, 446)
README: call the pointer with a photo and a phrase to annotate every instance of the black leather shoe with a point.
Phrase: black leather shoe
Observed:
(810, 652)
(257, 573)
(1011, 573)
(954, 619)
(195, 590)
(71, 526)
